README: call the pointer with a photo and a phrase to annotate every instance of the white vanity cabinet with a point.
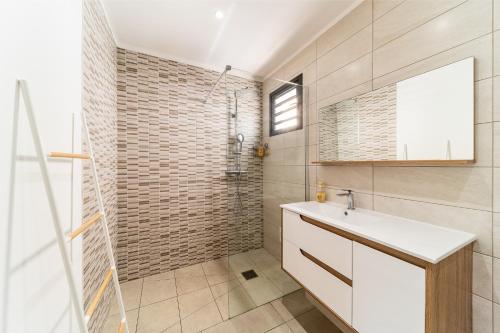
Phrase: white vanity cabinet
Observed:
(371, 287)
(388, 293)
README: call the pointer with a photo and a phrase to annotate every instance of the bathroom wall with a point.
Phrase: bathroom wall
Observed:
(378, 43)
(41, 44)
(174, 200)
(100, 108)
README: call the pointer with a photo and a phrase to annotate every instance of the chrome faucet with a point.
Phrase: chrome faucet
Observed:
(350, 198)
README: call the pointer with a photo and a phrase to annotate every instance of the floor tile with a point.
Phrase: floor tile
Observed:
(189, 284)
(131, 294)
(223, 288)
(204, 318)
(113, 322)
(263, 259)
(281, 280)
(261, 290)
(312, 322)
(236, 302)
(241, 262)
(162, 276)
(158, 317)
(157, 290)
(281, 329)
(292, 305)
(216, 267)
(190, 271)
(261, 319)
(192, 302)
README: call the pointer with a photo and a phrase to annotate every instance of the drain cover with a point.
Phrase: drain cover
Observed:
(249, 274)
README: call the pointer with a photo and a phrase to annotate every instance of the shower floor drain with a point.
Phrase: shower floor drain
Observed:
(249, 274)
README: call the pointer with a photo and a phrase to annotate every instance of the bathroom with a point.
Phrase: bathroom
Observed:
(250, 166)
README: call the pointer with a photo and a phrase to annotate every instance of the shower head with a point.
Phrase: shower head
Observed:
(240, 137)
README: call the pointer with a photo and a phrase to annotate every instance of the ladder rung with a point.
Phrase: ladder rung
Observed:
(69, 155)
(99, 294)
(121, 329)
(84, 226)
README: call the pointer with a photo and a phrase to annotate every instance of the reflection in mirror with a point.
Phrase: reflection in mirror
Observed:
(427, 117)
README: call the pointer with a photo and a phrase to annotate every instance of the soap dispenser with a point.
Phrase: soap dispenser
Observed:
(320, 193)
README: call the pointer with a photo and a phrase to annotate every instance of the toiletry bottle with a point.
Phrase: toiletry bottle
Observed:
(320, 193)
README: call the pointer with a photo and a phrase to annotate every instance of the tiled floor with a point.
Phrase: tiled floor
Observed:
(202, 297)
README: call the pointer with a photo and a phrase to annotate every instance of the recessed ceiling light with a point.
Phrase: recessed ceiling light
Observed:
(219, 15)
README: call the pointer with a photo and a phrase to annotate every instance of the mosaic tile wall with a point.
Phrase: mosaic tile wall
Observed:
(99, 106)
(175, 204)
(362, 128)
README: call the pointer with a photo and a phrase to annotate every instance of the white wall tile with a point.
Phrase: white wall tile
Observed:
(470, 20)
(467, 187)
(406, 17)
(482, 278)
(359, 18)
(474, 221)
(351, 49)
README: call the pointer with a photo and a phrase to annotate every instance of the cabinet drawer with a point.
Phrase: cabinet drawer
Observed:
(333, 292)
(333, 250)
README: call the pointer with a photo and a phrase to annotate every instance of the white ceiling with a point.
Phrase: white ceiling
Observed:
(254, 35)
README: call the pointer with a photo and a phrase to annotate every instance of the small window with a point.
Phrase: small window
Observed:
(285, 108)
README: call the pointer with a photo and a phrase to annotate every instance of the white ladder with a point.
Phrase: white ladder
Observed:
(83, 316)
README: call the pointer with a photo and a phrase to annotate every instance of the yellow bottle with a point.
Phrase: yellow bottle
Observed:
(320, 193)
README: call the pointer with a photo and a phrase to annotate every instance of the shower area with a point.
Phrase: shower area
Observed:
(190, 192)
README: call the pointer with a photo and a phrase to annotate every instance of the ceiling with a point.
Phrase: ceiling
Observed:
(254, 35)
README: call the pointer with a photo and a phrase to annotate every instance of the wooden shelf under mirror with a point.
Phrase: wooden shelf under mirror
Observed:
(400, 163)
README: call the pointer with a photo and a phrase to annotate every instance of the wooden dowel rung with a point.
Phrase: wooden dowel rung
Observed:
(68, 155)
(121, 329)
(99, 294)
(84, 226)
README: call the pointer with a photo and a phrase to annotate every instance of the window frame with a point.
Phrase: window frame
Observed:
(276, 94)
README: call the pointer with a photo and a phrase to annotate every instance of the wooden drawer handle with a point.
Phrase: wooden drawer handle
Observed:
(327, 268)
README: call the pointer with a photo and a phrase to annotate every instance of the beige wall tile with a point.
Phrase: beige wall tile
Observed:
(496, 280)
(354, 74)
(470, 20)
(406, 17)
(496, 318)
(496, 192)
(482, 315)
(361, 200)
(353, 48)
(310, 94)
(312, 134)
(294, 156)
(496, 235)
(496, 145)
(480, 49)
(312, 154)
(312, 114)
(356, 20)
(347, 177)
(358, 90)
(496, 18)
(309, 74)
(458, 186)
(474, 221)
(496, 98)
(482, 279)
(301, 61)
(381, 7)
(483, 101)
(496, 43)
(311, 173)
(484, 144)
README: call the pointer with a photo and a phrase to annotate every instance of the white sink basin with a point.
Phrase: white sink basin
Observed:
(422, 240)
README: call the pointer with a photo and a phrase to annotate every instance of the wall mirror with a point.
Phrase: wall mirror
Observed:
(428, 118)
